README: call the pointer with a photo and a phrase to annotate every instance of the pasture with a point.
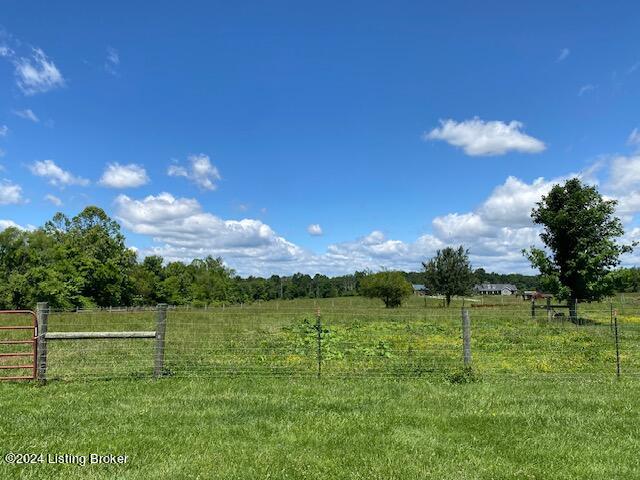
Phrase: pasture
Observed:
(351, 337)
(258, 391)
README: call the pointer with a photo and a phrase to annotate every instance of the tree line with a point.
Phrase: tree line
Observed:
(84, 262)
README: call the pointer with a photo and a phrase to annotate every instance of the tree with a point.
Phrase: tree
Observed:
(449, 273)
(390, 287)
(579, 232)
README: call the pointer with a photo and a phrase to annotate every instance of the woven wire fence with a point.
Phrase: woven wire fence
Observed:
(334, 342)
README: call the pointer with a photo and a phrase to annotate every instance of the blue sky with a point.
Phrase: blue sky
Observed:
(387, 130)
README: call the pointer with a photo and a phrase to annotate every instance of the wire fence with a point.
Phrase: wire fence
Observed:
(336, 342)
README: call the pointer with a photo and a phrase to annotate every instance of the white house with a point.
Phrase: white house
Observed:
(496, 289)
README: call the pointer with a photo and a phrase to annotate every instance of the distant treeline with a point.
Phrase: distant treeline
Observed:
(83, 262)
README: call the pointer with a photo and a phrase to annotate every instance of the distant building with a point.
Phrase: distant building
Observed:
(495, 289)
(419, 289)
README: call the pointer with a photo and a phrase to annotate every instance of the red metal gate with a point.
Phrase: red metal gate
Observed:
(32, 339)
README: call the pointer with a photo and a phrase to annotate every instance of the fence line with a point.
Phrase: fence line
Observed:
(335, 342)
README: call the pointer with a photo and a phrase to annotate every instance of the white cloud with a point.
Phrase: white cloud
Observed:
(5, 51)
(4, 224)
(53, 199)
(112, 61)
(564, 53)
(124, 176)
(4, 130)
(495, 232)
(56, 175)
(200, 171)
(10, 193)
(482, 138)
(37, 73)
(510, 204)
(314, 229)
(460, 226)
(634, 137)
(27, 114)
(181, 230)
(586, 89)
(624, 173)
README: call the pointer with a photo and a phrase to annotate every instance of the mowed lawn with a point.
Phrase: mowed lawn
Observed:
(368, 428)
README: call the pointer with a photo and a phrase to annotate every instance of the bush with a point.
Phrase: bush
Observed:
(390, 287)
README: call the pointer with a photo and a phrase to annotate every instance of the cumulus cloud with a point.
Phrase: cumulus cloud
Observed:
(36, 73)
(10, 193)
(484, 138)
(500, 227)
(624, 173)
(564, 53)
(200, 171)
(511, 203)
(495, 231)
(4, 224)
(4, 130)
(53, 199)
(376, 251)
(314, 229)
(56, 175)
(27, 114)
(124, 176)
(184, 231)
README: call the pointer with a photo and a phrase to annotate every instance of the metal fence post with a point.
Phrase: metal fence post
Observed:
(42, 314)
(161, 325)
(319, 341)
(466, 337)
(615, 327)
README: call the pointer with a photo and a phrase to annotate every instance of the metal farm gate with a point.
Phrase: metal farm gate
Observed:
(18, 344)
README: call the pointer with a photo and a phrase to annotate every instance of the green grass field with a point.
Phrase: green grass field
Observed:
(248, 428)
(240, 398)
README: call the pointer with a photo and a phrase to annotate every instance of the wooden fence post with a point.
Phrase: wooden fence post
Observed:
(466, 337)
(161, 326)
(42, 314)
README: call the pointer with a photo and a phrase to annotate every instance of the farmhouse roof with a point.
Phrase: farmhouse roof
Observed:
(494, 287)
(418, 286)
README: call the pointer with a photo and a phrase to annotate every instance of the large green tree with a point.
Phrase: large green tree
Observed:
(390, 287)
(449, 273)
(580, 232)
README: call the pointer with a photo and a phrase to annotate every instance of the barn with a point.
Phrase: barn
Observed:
(419, 289)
